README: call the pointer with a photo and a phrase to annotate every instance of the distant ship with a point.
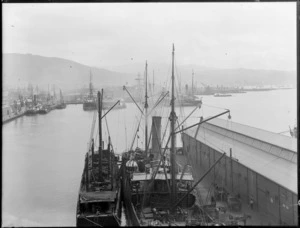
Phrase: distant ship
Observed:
(222, 95)
(62, 104)
(90, 102)
(188, 99)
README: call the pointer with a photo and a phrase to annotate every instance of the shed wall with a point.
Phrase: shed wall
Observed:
(273, 201)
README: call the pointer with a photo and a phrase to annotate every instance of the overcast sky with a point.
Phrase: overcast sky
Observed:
(223, 35)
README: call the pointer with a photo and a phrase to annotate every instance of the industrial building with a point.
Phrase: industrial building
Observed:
(258, 165)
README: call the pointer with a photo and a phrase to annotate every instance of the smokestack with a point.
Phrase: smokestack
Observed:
(156, 136)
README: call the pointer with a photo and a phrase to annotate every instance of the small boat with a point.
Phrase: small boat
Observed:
(222, 95)
(99, 198)
(90, 102)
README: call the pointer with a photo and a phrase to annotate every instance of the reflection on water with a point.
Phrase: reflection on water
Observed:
(43, 155)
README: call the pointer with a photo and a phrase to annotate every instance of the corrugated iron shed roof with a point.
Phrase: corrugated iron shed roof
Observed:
(279, 140)
(275, 168)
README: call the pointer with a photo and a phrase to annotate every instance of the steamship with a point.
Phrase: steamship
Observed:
(90, 101)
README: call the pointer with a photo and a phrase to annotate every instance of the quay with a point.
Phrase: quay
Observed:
(7, 119)
(8, 114)
(259, 167)
(73, 102)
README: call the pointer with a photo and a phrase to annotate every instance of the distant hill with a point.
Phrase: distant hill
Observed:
(242, 77)
(41, 70)
(213, 76)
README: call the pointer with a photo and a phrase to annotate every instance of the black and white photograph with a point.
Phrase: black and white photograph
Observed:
(150, 114)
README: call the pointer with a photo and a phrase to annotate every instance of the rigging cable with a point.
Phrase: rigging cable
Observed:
(215, 107)
(97, 224)
(107, 129)
(135, 134)
(125, 131)
(92, 129)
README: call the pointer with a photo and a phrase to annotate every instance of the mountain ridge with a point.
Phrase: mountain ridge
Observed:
(37, 69)
(29, 68)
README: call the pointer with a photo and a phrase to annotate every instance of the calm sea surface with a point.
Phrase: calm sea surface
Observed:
(43, 155)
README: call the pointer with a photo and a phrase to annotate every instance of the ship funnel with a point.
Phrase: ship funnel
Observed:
(156, 136)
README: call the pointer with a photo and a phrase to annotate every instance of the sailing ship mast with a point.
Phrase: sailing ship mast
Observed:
(173, 119)
(48, 97)
(100, 133)
(91, 88)
(153, 83)
(193, 83)
(146, 114)
(61, 96)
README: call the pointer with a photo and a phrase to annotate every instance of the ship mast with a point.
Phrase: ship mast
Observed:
(173, 119)
(91, 88)
(48, 97)
(193, 83)
(153, 83)
(100, 133)
(61, 97)
(146, 114)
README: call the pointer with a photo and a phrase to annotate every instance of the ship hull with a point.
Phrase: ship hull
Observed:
(44, 111)
(31, 112)
(132, 218)
(159, 200)
(112, 219)
(89, 106)
(61, 106)
(105, 220)
(97, 206)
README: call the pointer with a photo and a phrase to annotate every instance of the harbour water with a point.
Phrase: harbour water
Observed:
(43, 155)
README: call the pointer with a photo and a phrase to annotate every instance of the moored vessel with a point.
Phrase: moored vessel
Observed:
(62, 104)
(156, 190)
(44, 109)
(99, 199)
(90, 101)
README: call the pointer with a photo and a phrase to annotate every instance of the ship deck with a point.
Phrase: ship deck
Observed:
(98, 196)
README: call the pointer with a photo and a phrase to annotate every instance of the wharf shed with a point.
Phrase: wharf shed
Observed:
(262, 166)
